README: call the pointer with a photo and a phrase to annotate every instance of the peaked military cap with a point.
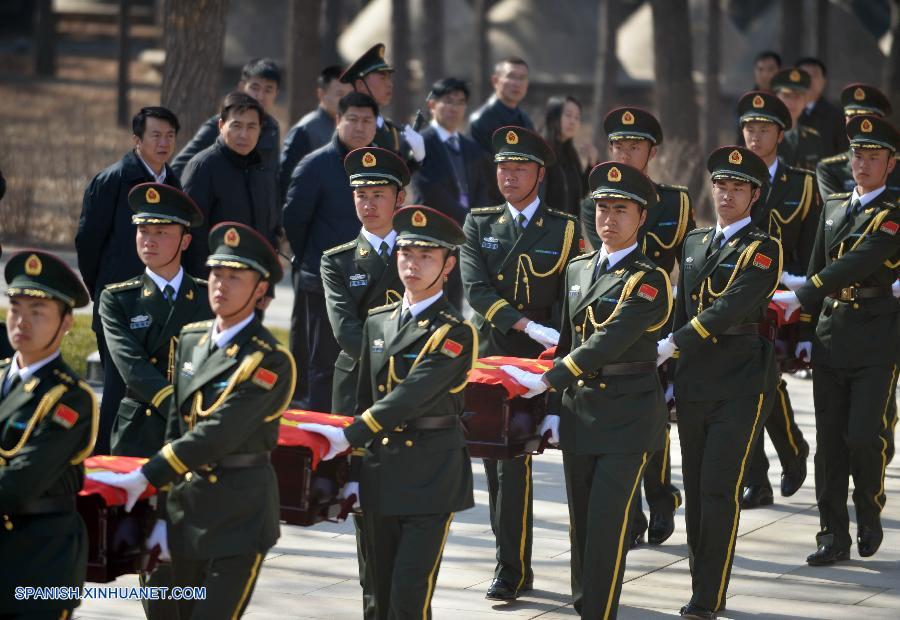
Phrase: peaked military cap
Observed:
(614, 180)
(737, 163)
(865, 99)
(238, 246)
(158, 203)
(759, 105)
(370, 62)
(422, 226)
(371, 165)
(872, 132)
(630, 123)
(512, 143)
(39, 274)
(790, 79)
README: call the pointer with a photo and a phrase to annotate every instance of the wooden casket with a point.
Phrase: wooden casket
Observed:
(785, 333)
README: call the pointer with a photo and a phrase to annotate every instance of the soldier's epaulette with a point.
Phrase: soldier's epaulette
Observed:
(384, 308)
(127, 285)
(644, 265)
(839, 196)
(568, 216)
(697, 231)
(64, 377)
(758, 234)
(262, 344)
(795, 169)
(834, 159)
(677, 188)
(199, 326)
(811, 130)
(586, 256)
(5, 362)
(340, 248)
(487, 210)
(200, 281)
(449, 317)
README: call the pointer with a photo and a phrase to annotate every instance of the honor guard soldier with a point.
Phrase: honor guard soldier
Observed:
(612, 408)
(233, 381)
(48, 426)
(358, 276)
(856, 343)
(834, 174)
(513, 267)
(802, 146)
(726, 374)
(788, 209)
(634, 136)
(416, 470)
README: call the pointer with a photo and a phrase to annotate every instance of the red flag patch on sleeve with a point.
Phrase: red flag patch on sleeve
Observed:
(762, 261)
(889, 227)
(581, 245)
(648, 292)
(265, 378)
(64, 416)
(451, 348)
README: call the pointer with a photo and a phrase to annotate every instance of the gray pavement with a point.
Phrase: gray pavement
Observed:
(312, 572)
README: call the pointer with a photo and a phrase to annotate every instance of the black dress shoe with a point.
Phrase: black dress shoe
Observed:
(637, 539)
(826, 555)
(662, 524)
(868, 539)
(794, 475)
(501, 590)
(695, 611)
(757, 495)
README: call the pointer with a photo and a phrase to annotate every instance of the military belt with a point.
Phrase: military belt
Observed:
(624, 368)
(744, 329)
(240, 461)
(48, 505)
(433, 423)
(852, 293)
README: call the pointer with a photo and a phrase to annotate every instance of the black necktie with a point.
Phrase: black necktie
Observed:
(453, 143)
(405, 317)
(13, 380)
(384, 251)
(169, 294)
(855, 207)
(520, 224)
(602, 267)
(716, 243)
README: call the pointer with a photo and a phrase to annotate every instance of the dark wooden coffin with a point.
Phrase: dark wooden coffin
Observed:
(115, 537)
(498, 427)
(308, 496)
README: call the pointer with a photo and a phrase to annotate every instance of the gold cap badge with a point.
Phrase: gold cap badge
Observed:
(859, 94)
(614, 175)
(232, 238)
(152, 196)
(627, 118)
(33, 265)
(369, 160)
(794, 76)
(418, 218)
(735, 157)
(866, 125)
(512, 137)
(758, 102)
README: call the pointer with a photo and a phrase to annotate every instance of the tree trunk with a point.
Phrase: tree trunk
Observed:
(400, 33)
(676, 101)
(302, 56)
(605, 67)
(122, 85)
(713, 23)
(330, 30)
(192, 75)
(481, 70)
(892, 63)
(432, 41)
(44, 38)
(792, 28)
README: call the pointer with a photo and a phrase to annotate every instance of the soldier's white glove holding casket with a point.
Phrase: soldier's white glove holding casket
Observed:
(336, 439)
(351, 489)
(788, 300)
(550, 423)
(159, 537)
(895, 288)
(530, 380)
(665, 349)
(133, 483)
(541, 334)
(803, 350)
(416, 142)
(791, 281)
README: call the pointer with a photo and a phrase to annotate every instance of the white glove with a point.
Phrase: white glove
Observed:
(787, 300)
(674, 291)
(133, 483)
(416, 142)
(530, 380)
(159, 537)
(351, 488)
(550, 423)
(665, 349)
(803, 350)
(541, 334)
(670, 392)
(336, 439)
(895, 288)
(791, 281)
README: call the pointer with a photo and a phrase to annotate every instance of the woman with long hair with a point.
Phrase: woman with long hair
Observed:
(565, 183)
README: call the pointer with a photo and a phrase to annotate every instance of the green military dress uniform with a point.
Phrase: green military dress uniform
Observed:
(416, 471)
(802, 146)
(855, 351)
(725, 377)
(509, 274)
(222, 507)
(612, 408)
(48, 425)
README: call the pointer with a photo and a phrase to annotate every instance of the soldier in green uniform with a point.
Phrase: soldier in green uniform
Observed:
(788, 210)
(726, 374)
(233, 381)
(802, 146)
(358, 276)
(856, 345)
(634, 136)
(416, 472)
(48, 426)
(834, 174)
(612, 408)
(513, 267)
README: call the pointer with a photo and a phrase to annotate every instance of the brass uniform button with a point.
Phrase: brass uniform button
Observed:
(520, 306)
(7, 523)
(148, 411)
(855, 306)
(578, 328)
(656, 253)
(715, 340)
(152, 360)
(500, 276)
(602, 386)
(381, 388)
(581, 383)
(189, 476)
(212, 479)
(385, 441)
(694, 297)
(408, 443)
(836, 304)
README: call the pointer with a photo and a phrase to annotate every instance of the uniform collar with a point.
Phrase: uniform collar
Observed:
(379, 121)
(28, 371)
(528, 211)
(223, 338)
(161, 282)
(375, 241)
(867, 198)
(420, 306)
(772, 170)
(616, 256)
(732, 229)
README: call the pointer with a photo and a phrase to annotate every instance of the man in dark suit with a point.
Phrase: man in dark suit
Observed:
(319, 214)
(105, 238)
(451, 178)
(819, 113)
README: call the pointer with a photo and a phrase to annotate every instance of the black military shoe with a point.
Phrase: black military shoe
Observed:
(528, 586)
(757, 495)
(695, 611)
(794, 475)
(868, 539)
(501, 590)
(637, 539)
(662, 524)
(827, 554)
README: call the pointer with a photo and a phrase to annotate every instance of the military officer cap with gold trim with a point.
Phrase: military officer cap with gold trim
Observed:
(39, 274)
(865, 99)
(512, 143)
(158, 203)
(759, 105)
(238, 246)
(371, 165)
(738, 164)
(790, 79)
(370, 62)
(614, 180)
(421, 226)
(630, 123)
(872, 132)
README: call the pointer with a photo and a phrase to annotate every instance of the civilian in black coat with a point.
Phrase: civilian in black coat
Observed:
(821, 114)
(566, 180)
